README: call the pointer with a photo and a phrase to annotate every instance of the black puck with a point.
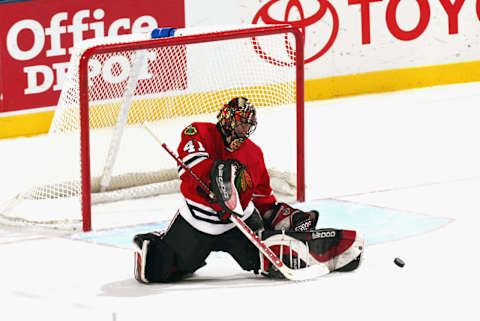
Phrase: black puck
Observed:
(399, 262)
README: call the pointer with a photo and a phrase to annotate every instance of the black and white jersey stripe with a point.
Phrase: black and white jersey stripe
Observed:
(191, 160)
(204, 213)
(205, 219)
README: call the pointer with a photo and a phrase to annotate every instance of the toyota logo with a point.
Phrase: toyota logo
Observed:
(264, 15)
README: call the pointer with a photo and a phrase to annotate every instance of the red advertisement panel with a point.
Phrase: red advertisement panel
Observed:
(36, 39)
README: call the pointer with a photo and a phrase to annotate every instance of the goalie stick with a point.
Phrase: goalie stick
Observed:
(301, 274)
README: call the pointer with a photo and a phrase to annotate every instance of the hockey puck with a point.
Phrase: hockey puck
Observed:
(399, 262)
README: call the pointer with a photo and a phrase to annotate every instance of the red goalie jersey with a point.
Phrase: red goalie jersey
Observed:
(201, 144)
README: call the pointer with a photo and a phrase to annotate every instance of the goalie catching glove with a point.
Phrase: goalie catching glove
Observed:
(284, 217)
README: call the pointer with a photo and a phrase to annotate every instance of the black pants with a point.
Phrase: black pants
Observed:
(188, 249)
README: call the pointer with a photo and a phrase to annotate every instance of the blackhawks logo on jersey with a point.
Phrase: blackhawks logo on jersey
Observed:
(243, 181)
(190, 131)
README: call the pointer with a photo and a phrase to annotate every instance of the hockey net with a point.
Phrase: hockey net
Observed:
(97, 151)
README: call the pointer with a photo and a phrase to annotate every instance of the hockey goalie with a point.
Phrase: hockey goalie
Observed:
(223, 150)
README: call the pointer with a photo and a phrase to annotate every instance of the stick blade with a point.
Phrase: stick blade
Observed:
(308, 273)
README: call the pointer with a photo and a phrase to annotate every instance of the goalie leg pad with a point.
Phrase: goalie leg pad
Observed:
(339, 250)
(153, 259)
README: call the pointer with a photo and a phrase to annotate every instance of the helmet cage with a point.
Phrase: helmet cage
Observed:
(237, 112)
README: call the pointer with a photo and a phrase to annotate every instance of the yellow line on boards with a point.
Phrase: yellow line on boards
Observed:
(30, 124)
(391, 80)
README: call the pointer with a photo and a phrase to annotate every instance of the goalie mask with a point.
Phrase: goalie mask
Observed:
(237, 121)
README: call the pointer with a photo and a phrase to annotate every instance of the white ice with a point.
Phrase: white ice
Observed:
(412, 151)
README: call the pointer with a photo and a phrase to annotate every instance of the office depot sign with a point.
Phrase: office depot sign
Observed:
(37, 39)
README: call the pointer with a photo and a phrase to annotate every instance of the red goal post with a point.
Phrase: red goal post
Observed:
(185, 40)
